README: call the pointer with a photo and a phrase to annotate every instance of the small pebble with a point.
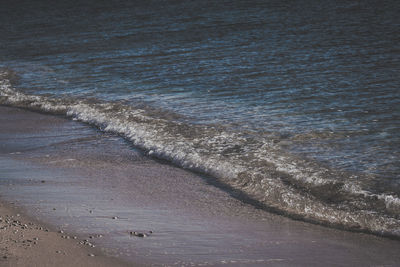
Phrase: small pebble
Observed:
(91, 255)
(138, 234)
(115, 218)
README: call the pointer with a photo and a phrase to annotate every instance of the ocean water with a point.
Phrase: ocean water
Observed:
(296, 104)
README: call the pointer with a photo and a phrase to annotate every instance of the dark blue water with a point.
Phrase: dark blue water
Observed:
(295, 103)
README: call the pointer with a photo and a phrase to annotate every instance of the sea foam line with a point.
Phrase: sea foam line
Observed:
(165, 139)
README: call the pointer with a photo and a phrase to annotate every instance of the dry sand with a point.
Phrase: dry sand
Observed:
(25, 242)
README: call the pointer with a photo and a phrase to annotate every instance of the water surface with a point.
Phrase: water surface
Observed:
(294, 103)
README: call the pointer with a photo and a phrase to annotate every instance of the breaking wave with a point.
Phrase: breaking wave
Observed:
(251, 163)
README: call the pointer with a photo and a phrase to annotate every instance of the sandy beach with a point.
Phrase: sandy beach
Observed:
(29, 241)
(26, 242)
(66, 179)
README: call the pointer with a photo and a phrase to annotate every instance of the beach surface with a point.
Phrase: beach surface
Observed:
(27, 242)
(77, 181)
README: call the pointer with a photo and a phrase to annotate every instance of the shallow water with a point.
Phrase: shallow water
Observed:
(295, 104)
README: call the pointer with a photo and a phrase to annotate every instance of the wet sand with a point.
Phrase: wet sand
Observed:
(86, 183)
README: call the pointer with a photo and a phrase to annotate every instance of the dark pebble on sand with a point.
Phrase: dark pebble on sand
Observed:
(138, 234)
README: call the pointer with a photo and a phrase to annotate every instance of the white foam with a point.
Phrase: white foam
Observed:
(205, 153)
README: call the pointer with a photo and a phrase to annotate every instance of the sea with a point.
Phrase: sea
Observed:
(293, 104)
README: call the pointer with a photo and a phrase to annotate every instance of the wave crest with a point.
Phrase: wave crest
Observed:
(250, 163)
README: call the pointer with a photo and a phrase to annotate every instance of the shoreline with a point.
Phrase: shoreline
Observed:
(27, 240)
(91, 177)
